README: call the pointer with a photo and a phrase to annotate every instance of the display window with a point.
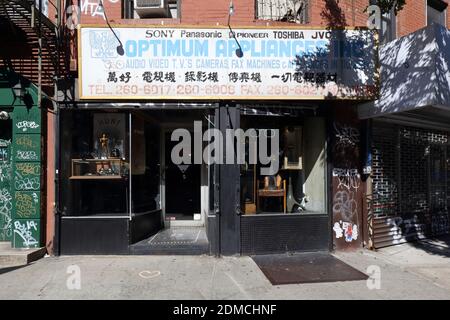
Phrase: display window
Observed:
(298, 183)
(105, 156)
(119, 163)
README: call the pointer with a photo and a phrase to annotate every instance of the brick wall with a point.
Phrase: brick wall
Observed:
(215, 12)
(412, 17)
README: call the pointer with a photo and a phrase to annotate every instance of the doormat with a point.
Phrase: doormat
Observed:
(306, 268)
(175, 240)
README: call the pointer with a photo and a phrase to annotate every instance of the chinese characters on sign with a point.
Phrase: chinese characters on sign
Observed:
(172, 63)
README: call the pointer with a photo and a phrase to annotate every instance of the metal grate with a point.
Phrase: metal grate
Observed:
(385, 176)
(262, 234)
(410, 184)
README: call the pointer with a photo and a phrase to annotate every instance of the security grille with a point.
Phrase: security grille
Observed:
(411, 192)
(385, 173)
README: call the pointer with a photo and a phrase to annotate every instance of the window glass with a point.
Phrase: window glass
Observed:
(298, 183)
(436, 12)
(435, 16)
(94, 163)
(388, 27)
(144, 9)
(145, 165)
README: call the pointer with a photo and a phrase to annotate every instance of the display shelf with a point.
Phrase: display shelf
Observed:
(98, 169)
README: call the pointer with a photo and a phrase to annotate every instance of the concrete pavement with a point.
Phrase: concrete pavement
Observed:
(407, 272)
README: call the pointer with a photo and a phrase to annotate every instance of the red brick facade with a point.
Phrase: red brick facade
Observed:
(213, 12)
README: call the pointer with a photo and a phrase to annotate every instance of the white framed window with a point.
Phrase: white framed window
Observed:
(145, 9)
(283, 10)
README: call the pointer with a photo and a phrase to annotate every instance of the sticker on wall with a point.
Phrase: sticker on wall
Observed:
(347, 230)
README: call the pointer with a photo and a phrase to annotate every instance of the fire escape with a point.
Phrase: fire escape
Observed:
(32, 45)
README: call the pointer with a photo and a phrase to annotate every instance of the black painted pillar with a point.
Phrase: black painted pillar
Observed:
(229, 118)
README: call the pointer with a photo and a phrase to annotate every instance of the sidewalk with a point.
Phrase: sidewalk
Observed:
(408, 271)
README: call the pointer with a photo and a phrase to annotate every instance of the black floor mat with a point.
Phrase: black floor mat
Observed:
(306, 268)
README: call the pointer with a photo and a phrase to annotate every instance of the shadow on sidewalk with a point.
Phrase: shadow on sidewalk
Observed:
(436, 245)
(9, 269)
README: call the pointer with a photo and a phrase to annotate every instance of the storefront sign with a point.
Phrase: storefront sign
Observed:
(210, 63)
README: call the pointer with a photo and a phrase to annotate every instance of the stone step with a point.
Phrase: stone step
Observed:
(16, 257)
(5, 245)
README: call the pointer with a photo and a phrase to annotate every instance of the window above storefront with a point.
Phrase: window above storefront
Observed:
(295, 11)
(147, 9)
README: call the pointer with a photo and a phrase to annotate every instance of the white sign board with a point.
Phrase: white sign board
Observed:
(211, 63)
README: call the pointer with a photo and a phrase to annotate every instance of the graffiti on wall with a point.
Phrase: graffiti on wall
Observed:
(344, 205)
(4, 149)
(348, 180)
(26, 204)
(25, 141)
(92, 8)
(26, 155)
(346, 146)
(401, 229)
(25, 125)
(26, 231)
(5, 213)
(5, 172)
(346, 136)
(27, 176)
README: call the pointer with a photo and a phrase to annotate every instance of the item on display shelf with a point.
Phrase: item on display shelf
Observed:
(96, 168)
(104, 146)
(292, 148)
(273, 187)
(115, 153)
